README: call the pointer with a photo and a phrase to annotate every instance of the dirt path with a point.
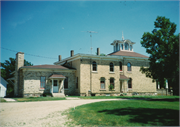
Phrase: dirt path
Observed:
(38, 114)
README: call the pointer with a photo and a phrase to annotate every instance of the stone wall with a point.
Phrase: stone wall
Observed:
(32, 82)
(91, 80)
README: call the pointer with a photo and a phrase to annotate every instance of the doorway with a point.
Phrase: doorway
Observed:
(55, 86)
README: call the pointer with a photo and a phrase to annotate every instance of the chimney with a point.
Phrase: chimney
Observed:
(59, 57)
(19, 63)
(72, 53)
(98, 51)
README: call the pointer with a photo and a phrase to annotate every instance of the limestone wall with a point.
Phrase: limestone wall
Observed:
(91, 80)
(32, 82)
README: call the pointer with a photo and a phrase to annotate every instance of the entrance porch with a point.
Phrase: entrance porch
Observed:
(57, 88)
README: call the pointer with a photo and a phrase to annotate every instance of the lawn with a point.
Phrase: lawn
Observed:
(129, 97)
(2, 100)
(39, 99)
(151, 112)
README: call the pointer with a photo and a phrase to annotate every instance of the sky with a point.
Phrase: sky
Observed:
(45, 29)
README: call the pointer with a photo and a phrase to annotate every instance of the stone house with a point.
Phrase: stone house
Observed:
(87, 75)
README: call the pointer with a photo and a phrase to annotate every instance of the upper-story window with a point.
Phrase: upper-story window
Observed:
(130, 47)
(121, 46)
(126, 46)
(120, 66)
(129, 67)
(94, 66)
(111, 67)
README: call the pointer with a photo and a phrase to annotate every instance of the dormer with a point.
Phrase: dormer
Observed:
(123, 45)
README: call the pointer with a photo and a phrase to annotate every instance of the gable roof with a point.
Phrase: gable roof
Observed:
(123, 77)
(128, 53)
(57, 76)
(47, 67)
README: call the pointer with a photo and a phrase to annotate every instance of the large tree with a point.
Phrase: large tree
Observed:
(6, 71)
(163, 46)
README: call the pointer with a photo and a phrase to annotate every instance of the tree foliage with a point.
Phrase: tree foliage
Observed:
(163, 46)
(6, 71)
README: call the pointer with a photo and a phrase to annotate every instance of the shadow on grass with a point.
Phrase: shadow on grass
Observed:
(162, 117)
(153, 99)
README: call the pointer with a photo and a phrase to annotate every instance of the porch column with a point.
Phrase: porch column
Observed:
(62, 86)
(52, 86)
(127, 85)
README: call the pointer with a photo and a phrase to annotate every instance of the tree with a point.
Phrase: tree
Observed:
(6, 71)
(163, 46)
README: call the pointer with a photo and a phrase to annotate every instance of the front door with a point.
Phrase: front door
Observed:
(55, 86)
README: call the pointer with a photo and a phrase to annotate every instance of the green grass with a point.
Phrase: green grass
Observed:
(127, 97)
(127, 113)
(2, 100)
(39, 99)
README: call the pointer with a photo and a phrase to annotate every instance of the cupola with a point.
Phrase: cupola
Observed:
(123, 45)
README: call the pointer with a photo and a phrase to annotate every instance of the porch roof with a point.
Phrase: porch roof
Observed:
(57, 76)
(123, 77)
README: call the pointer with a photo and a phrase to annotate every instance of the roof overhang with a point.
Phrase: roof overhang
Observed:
(123, 77)
(55, 76)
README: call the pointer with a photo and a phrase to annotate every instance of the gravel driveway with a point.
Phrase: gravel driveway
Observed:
(39, 114)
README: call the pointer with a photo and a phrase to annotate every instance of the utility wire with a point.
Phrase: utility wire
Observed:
(28, 53)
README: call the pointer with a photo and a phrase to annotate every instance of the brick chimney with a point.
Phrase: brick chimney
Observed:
(98, 51)
(19, 63)
(72, 53)
(59, 57)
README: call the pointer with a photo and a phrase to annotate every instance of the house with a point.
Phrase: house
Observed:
(3, 87)
(87, 75)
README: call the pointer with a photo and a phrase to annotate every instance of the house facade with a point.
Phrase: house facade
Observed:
(115, 74)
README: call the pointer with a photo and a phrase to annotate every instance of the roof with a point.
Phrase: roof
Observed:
(47, 67)
(123, 77)
(128, 53)
(57, 76)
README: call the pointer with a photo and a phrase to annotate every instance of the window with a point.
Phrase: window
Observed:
(122, 46)
(130, 83)
(112, 82)
(42, 82)
(76, 82)
(116, 46)
(66, 83)
(55, 82)
(102, 83)
(120, 66)
(129, 67)
(94, 66)
(111, 67)
(126, 46)
(131, 47)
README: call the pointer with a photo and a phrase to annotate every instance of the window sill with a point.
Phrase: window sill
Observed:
(111, 72)
(112, 90)
(102, 89)
(120, 71)
(94, 71)
(129, 71)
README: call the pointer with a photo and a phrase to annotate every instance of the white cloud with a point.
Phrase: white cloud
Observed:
(15, 24)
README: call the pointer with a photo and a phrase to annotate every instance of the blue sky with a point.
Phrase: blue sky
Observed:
(52, 28)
